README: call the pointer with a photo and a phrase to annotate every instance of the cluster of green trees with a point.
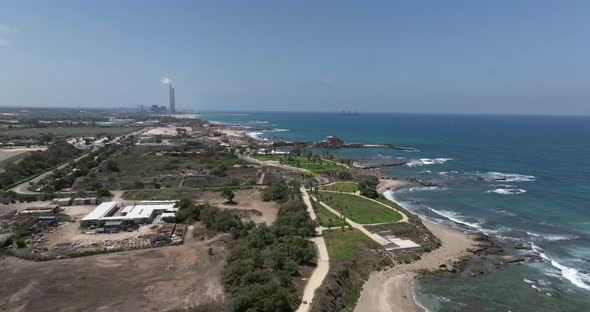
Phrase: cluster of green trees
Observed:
(65, 177)
(368, 186)
(281, 191)
(37, 162)
(259, 273)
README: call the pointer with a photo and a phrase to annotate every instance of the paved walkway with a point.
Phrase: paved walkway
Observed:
(382, 241)
(323, 267)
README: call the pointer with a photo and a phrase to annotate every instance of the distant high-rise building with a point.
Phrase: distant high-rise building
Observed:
(172, 108)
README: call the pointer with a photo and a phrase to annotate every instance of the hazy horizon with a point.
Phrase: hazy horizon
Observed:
(525, 58)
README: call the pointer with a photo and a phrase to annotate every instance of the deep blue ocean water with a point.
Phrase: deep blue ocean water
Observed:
(522, 179)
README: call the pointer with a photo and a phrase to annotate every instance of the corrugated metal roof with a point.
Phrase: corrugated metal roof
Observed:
(100, 211)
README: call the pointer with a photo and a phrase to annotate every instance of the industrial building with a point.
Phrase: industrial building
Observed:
(109, 214)
(40, 210)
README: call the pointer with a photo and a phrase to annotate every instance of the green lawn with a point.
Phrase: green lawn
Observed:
(326, 165)
(359, 209)
(324, 215)
(347, 187)
(341, 244)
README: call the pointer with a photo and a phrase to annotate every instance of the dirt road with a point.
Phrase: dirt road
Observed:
(323, 267)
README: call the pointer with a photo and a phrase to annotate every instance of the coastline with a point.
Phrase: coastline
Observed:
(393, 289)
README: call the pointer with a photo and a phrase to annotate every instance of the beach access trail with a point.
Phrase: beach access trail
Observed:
(392, 289)
(323, 266)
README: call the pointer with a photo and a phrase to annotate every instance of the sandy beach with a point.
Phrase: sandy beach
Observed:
(391, 290)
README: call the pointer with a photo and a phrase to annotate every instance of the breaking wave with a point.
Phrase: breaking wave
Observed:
(575, 276)
(427, 161)
(259, 134)
(456, 217)
(553, 237)
(507, 191)
(505, 177)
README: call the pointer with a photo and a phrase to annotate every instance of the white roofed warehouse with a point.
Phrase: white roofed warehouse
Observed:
(138, 213)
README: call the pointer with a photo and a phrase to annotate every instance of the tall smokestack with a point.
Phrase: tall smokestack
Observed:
(172, 108)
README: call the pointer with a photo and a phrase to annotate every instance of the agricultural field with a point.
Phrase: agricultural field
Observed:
(345, 187)
(35, 133)
(359, 209)
(325, 165)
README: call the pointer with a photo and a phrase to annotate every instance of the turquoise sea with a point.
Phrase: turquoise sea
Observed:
(521, 179)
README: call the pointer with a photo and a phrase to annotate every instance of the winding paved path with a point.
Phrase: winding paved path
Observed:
(323, 267)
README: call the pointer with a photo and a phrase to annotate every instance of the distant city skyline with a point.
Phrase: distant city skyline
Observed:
(501, 57)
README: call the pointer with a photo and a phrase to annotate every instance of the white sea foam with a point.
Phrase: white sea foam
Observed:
(258, 135)
(427, 161)
(427, 188)
(576, 277)
(527, 281)
(456, 217)
(505, 212)
(504, 191)
(553, 237)
(493, 176)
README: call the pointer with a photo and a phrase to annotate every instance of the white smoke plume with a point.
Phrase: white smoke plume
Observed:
(165, 80)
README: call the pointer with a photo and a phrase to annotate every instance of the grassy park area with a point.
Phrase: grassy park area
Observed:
(320, 165)
(326, 218)
(341, 244)
(359, 209)
(345, 187)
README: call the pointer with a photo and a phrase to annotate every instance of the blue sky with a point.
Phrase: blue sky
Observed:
(522, 57)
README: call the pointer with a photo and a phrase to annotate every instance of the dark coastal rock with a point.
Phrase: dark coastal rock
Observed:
(475, 250)
(494, 250)
(522, 246)
(512, 259)
(430, 184)
(476, 270)
(534, 258)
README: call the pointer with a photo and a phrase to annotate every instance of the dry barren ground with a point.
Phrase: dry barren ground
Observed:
(159, 279)
(246, 200)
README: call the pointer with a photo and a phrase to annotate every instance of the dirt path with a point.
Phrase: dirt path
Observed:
(323, 267)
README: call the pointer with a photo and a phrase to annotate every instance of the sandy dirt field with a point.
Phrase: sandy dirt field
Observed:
(70, 232)
(6, 153)
(166, 131)
(391, 290)
(246, 200)
(4, 209)
(157, 279)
